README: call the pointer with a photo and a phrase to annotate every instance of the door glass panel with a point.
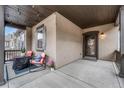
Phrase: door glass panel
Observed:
(90, 46)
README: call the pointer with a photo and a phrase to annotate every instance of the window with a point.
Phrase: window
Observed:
(41, 38)
(14, 38)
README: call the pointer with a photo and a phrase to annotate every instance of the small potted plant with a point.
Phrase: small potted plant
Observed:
(23, 51)
(50, 64)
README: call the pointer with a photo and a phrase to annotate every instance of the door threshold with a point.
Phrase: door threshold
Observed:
(90, 58)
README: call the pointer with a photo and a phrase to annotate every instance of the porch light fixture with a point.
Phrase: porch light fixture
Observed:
(102, 35)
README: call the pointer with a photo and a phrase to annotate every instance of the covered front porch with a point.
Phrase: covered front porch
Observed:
(86, 50)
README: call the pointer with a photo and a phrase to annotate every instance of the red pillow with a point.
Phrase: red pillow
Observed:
(29, 53)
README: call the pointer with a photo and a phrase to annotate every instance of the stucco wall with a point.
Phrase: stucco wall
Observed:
(68, 41)
(50, 23)
(64, 39)
(28, 37)
(110, 43)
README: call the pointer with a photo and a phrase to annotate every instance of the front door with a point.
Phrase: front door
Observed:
(90, 44)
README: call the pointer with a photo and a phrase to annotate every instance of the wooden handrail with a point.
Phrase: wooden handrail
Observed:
(117, 55)
(12, 50)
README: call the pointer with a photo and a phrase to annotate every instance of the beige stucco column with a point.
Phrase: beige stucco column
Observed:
(121, 74)
(28, 38)
(1, 45)
(122, 30)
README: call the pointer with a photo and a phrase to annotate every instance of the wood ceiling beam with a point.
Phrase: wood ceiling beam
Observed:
(15, 25)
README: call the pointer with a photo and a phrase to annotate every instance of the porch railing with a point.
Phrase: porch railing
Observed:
(11, 54)
(118, 58)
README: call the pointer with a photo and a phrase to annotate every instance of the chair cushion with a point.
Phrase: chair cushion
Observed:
(37, 58)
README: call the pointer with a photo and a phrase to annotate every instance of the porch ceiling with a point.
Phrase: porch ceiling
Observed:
(82, 15)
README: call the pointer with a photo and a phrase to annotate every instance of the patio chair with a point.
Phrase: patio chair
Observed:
(22, 62)
(41, 63)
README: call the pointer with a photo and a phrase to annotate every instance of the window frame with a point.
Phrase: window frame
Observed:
(44, 37)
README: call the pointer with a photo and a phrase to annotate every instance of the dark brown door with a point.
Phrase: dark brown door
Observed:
(90, 44)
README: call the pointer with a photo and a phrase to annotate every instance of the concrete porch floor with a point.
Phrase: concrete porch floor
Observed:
(79, 74)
